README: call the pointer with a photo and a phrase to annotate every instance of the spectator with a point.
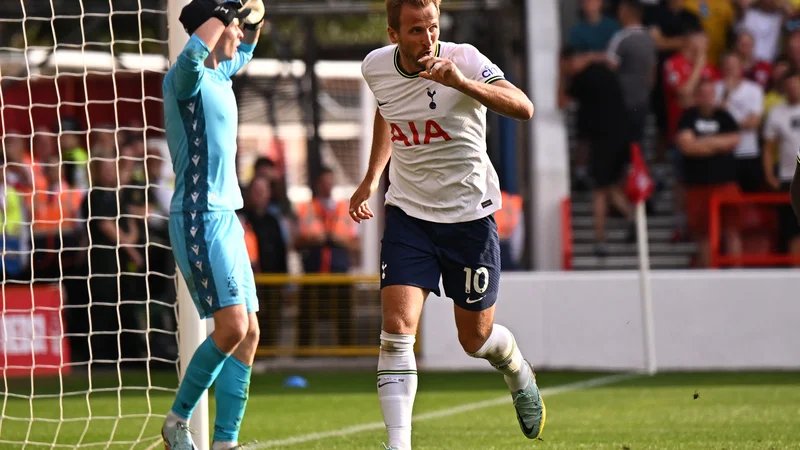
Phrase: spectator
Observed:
(754, 70)
(782, 137)
(594, 30)
(326, 236)
(775, 95)
(511, 231)
(73, 155)
(603, 128)
(744, 100)
(632, 53)
(106, 231)
(682, 73)
(17, 156)
(793, 50)
(270, 253)
(764, 21)
(668, 24)
(717, 18)
(265, 167)
(707, 136)
(271, 245)
(55, 218)
(12, 239)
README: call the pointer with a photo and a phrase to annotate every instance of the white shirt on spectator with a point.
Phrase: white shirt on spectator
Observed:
(745, 100)
(766, 29)
(783, 124)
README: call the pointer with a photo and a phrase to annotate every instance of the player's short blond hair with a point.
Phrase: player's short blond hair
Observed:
(393, 8)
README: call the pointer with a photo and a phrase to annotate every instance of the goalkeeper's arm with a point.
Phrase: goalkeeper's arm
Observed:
(189, 65)
(254, 21)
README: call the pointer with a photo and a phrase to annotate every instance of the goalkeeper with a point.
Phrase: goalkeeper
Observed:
(206, 236)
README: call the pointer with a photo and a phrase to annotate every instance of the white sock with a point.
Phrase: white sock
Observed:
(223, 445)
(397, 386)
(500, 349)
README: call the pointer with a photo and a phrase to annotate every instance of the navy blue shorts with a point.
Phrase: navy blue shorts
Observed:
(465, 255)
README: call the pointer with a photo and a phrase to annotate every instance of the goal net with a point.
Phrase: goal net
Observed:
(88, 327)
(89, 324)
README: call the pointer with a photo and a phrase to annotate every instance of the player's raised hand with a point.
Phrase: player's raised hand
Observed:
(441, 70)
(359, 208)
(256, 16)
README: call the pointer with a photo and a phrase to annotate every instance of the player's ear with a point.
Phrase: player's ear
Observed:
(392, 35)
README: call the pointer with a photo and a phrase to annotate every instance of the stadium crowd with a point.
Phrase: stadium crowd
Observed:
(722, 80)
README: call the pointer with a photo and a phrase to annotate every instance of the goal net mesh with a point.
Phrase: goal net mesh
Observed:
(88, 336)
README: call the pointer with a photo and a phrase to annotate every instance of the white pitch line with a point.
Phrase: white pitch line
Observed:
(372, 426)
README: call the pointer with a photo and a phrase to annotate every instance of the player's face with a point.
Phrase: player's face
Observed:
(418, 34)
(229, 41)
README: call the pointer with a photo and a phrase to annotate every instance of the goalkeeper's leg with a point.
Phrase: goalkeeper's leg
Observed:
(233, 383)
(224, 291)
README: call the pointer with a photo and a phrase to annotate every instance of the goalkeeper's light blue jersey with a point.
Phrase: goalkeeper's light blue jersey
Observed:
(201, 121)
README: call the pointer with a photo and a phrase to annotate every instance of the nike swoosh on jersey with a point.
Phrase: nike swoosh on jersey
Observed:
(475, 300)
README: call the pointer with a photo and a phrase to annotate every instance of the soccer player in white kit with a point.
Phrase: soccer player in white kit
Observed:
(431, 120)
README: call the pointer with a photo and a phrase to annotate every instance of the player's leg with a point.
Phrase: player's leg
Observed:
(233, 383)
(470, 258)
(196, 239)
(409, 271)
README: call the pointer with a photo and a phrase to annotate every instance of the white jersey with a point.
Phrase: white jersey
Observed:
(745, 100)
(783, 125)
(439, 170)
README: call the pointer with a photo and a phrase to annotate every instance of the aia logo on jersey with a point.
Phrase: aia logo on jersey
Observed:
(432, 131)
(432, 104)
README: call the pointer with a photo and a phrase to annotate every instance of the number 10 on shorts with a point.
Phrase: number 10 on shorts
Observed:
(479, 281)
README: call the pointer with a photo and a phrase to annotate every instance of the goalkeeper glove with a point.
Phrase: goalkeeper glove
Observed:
(228, 11)
(256, 17)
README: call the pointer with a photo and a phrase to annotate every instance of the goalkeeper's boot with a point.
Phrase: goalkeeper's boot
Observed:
(531, 412)
(178, 437)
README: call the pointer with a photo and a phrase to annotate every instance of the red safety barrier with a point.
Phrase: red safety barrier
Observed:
(752, 219)
(566, 233)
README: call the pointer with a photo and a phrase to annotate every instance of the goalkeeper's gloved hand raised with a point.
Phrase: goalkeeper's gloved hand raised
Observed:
(230, 10)
(256, 13)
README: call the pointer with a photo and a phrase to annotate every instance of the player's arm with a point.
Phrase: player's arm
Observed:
(500, 96)
(378, 158)
(189, 65)
(253, 22)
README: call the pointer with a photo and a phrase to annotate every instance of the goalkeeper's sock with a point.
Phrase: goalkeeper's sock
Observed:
(500, 349)
(397, 386)
(201, 373)
(231, 392)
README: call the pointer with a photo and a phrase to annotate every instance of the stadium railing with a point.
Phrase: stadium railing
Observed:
(319, 315)
(759, 222)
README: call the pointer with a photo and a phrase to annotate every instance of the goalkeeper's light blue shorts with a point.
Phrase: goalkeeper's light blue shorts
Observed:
(210, 250)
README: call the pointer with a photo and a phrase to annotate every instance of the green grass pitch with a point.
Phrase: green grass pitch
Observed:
(733, 411)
